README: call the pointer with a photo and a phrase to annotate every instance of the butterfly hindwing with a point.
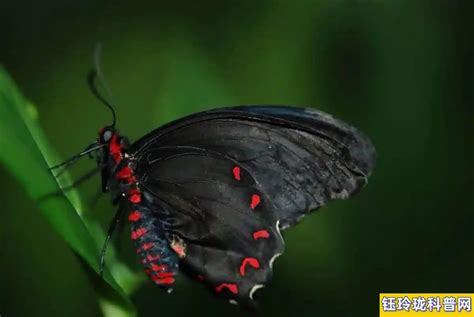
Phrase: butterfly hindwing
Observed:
(229, 240)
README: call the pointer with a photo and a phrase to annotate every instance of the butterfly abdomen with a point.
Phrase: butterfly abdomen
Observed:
(159, 261)
(147, 233)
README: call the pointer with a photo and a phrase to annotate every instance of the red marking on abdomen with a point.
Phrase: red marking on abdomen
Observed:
(134, 196)
(230, 287)
(134, 216)
(125, 172)
(152, 258)
(255, 201)
(160, 267)
(138, 233)
(131, 180)
(236, 172)
(164, 274)
(165, 280)
(253, 262)
(147, 246)
(261, 234)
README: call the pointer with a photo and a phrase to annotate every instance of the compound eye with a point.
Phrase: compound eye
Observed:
(107, 135)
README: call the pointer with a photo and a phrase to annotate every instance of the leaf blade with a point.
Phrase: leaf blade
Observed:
(27, 155)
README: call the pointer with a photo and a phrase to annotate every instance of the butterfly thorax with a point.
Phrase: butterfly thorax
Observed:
(118, 176)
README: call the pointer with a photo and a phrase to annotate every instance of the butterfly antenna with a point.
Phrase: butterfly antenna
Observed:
(96, 73)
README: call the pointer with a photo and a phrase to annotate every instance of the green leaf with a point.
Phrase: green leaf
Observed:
(27, 155)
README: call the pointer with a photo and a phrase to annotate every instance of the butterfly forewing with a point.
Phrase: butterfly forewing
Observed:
(300, 158)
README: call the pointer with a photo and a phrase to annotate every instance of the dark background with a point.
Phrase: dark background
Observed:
(401, 71)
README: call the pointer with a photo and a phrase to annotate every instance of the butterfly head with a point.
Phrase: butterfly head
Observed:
(106, 134)
(112, 144)
(112, 153)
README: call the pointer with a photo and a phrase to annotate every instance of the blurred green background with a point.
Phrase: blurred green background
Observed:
(401, 71)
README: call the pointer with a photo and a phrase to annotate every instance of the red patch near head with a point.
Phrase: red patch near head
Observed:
(255, 201)
(261, 234)
(134, 216)
(253, 262)
(115, 149)
(231, 287)
(138, 233)
(236, 172)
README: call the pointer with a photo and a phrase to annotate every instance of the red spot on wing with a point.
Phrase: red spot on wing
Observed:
(253, 262)
(134, 196)
(134, 216)
(261, 234)
(255, 201)
(179, 250)
(165, 280)
(236, 172)
(138, 233)
(200, 278)
(231, 287)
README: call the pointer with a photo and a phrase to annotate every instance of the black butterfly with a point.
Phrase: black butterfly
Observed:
(208, 194)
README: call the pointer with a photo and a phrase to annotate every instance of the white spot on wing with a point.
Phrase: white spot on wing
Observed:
(273, 259)
(277, 226)
(254, 289)
(233, 302)
(344, 194)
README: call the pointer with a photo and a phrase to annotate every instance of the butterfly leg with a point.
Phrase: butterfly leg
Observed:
(76, 183)
(113, 225)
